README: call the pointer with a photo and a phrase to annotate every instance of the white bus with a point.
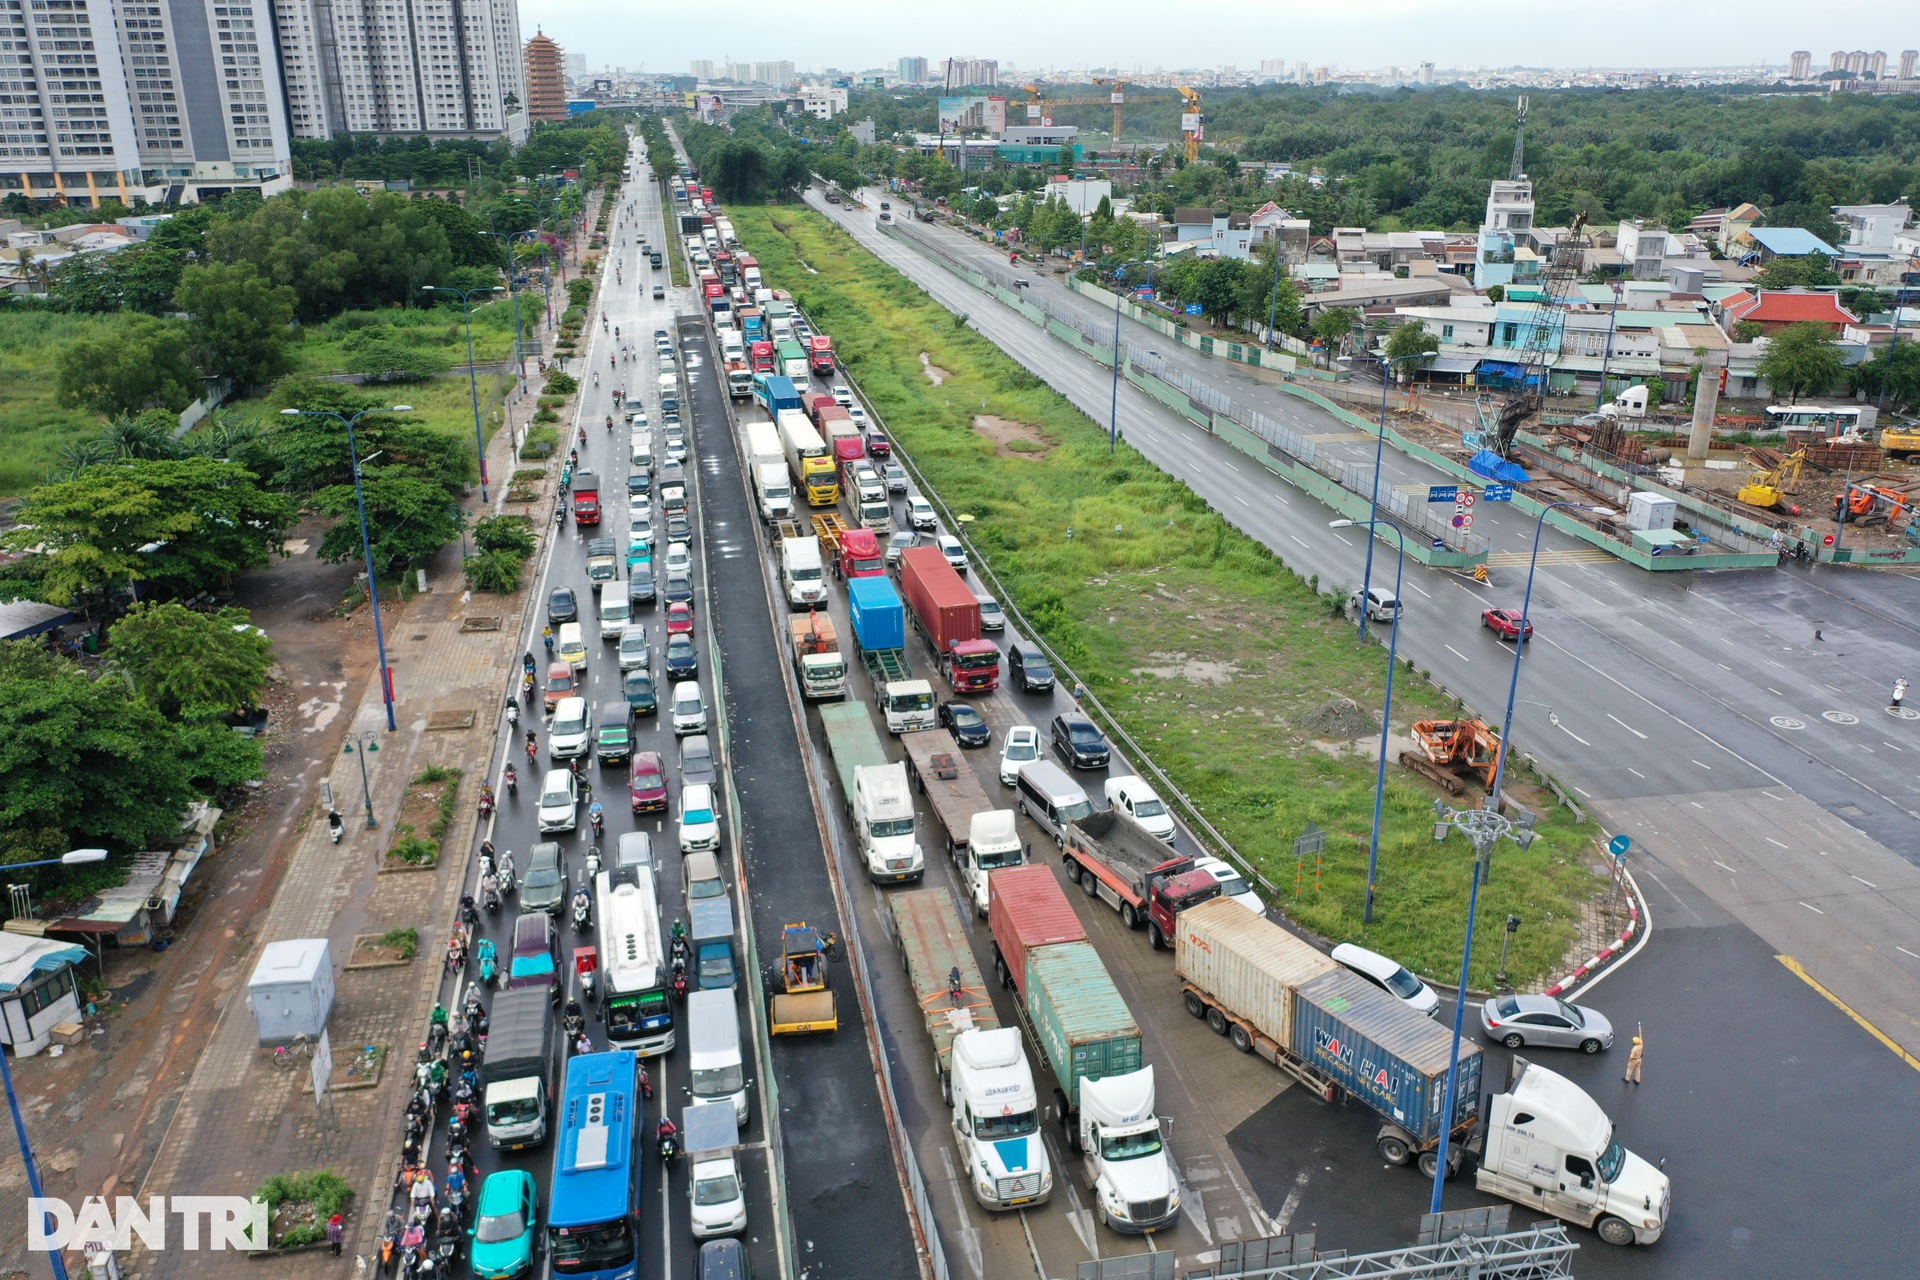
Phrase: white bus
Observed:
(1829, 419)
(633, 962)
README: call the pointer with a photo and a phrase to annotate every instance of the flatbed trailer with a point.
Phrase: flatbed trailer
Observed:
(933, 944)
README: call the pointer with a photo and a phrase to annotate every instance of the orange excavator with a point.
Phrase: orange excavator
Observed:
(1450, 751)
(1869, 504)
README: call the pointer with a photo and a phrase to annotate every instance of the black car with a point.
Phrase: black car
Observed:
(969, 730)
(1029, 668)
(679, 587)
(544, 886)
(637, 482)
(1079, 741)
(562, 606)
(682, 660)
(679, 528)
(640, 589)
(638, 687)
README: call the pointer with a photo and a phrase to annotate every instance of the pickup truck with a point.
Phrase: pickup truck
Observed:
(1114, 860)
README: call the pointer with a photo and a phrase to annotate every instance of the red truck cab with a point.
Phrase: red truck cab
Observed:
(761, 355)
(860, 555)
(586, 498)
(948, 615)
(821, 355)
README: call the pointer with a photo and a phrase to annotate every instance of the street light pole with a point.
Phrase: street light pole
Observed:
(1373, 496)
(1613, 318)
(1113, 413)
(359, 744)
(366, 542)
(1386, 714)
(473, 377)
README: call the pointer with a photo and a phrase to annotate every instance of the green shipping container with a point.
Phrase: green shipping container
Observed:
(1084, 1028)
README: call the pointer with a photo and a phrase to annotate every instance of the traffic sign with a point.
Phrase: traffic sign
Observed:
(1442, 492)
(1619, 845)
(1439, 544)
(1498, 493)
(1463, 521)
(1194, 308)
(1467, 498)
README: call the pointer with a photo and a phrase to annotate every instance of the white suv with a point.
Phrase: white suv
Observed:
(572, 726)
(1020, 746)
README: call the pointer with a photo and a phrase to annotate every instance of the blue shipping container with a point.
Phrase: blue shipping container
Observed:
(1383, 1053)
(878, 620)
(776, 392)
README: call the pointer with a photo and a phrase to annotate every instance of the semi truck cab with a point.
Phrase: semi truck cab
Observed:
(1131, 1169)
(1549, 1146)
(996, 1116)
(883, 811)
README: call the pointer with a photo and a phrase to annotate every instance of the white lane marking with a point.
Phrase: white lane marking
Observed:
(1775, 843)
(1583, 791)
(1414, 586)
(1903, 951)
(1870, 884)
(1885, 743)
(1723, 666)
(1230, 466)
(1817, 911)
(1775, 692)
(1298, 540)
(1724, 867)
(1703, 764)
(1456, 653)
(1624, 725)
(1243, 502)
(1291, 1204)
(1635, 772)
(1772, 663)
(1571, 734)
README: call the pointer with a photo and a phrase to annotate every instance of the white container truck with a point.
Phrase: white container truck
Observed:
(883, 813)
(802, 573)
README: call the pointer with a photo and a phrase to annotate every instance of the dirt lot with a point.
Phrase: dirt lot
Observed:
(97, 1112)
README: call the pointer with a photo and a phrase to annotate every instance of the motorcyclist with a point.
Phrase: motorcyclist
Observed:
(336, 826)
(513, 780)
(526, 662)
(582, 908)
(664, 1132)
(533, 745)
(573, 1017)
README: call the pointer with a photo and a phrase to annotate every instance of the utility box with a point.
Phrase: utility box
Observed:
(1650, 511)
(291, 991)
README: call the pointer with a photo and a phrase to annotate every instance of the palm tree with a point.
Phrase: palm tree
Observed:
(148, 437)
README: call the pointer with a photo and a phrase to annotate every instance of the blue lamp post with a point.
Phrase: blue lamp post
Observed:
(34, 1188)
(473, 378)
(1373, 496)
(366, 542)
(1386, 715)
(1113, 412)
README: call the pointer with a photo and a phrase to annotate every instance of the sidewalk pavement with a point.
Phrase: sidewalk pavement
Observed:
(243, 1119)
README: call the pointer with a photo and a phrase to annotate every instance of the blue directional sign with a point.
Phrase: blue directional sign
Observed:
(1194, 308)
(1442, 492)
(1498, 493)
(1439, 544)
(1619, 845)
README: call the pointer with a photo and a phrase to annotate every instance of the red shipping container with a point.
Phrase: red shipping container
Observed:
(1026, 910)
(945, 609)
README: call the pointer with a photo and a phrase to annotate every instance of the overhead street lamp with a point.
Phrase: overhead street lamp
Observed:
(366, 544)
(473, 378)
(361, 744)
(1379, 449)
(1386, 714)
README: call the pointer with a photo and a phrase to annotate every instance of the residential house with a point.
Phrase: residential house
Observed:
(1873, 227)
(1775, 309)
(1271, 222)
(1727, 228)
(38, 989)
(1509, 217)
(1878, 250)
(1213, 233)
(1786, 242)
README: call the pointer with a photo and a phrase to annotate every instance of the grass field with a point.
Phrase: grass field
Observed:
(325, 348)
(1210, 652)
(444, 404)
(34, 425)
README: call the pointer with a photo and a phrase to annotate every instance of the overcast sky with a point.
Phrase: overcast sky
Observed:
(1136, 35)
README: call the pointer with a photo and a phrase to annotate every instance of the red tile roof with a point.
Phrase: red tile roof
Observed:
(1787, 306)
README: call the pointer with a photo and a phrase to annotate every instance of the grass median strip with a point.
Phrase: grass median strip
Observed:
(1230, 670)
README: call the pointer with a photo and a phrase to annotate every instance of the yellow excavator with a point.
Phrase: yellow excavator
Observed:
(1767, 489)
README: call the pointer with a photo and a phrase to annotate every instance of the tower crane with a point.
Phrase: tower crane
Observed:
(1543, 332)
(1192, 124)
(1119, 99)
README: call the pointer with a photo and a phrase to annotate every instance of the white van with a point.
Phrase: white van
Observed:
(801, 570)
(689, 708)
(713, 1050)
(642, 447)
(669, 393)
(1051, 798)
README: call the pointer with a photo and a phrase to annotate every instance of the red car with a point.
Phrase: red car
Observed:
(680, 618)
(1506, 623)
(649, 787)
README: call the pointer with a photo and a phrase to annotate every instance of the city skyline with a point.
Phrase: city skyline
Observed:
(1405, 33)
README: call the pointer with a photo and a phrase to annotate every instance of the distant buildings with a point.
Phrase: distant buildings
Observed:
(912, 70)
(546, 79)
(971, 73)
(1799, 65)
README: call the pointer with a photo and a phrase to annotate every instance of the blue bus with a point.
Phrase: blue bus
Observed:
(594, 1200)
(775, 393)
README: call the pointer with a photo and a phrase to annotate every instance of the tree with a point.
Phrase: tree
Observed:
(1748, 331)
(512, 534)
(1811, 271)
(84, 762)
(1409, 342)
(1331, 327)
(408, 518)
(239, 321)
(1802, 359)
(191, 665)
(136, 363)
(1894, 372)
(183, 525)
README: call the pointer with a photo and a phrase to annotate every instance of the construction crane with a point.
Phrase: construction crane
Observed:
(1192, 126)
(1541, 334)
(1119, 99)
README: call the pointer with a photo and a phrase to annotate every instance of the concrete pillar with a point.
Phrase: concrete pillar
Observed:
(1706, 400)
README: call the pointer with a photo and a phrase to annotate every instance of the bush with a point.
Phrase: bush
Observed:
(580, 291)
(495, 571)
(546, 415)
(405, 941)
(416, 849)
(560, 383)
(541, 441)
(513, 534)
(311, 1197)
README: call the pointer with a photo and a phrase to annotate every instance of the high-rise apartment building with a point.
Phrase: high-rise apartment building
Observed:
(1799, 65)
(962, 73)
(912, 70)
(701, 68)
(1909, 60)
(1837, 60)
(774, 73)
(1273, 66)
(1426, 73)
(445, 68)
(546, 80)
(1877, 63)
(175, 100)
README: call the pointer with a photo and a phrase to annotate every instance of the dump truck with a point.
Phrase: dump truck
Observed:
(879, 805)
(1113, 860)
(984, 1074)
(947, 614)
(817, 661)
(980, 838)
(516, 1071)
(804, 1001)
(1088, 1041)
(880, 636)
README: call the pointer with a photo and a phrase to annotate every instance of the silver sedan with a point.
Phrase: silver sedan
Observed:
(1517, 1021)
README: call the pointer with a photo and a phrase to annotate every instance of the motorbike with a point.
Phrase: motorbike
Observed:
(597, 816)
(533, 746)
(646, 1082)
(456, 952)
(506, 872)
(335, 827)
(513, 711)
(582, 913)
(679, 987)
(389, 1253)
(667, 1142)
(491, 899)
(469, 914)
(486, 800)
(677, 953)
(446, 1249)
(512, 781)
(489, 961)
(526, 681)
(593, 861)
